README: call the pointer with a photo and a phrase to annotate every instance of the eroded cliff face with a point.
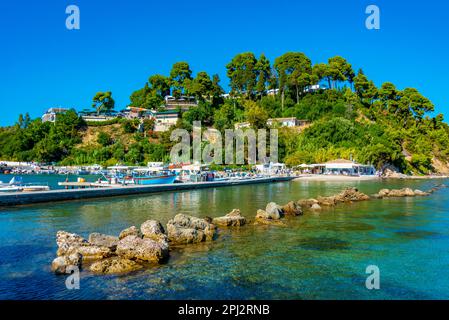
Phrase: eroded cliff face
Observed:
(441, 167)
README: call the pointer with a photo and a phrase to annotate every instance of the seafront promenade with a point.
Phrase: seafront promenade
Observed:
(24, 198)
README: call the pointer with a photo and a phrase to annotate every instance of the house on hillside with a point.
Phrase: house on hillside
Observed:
(51, 114)
(314, 88)
(92, 116)
(287, 122)
(163, 120)
(242, 125)
(183, 103)
(134, 112)
(272, 92)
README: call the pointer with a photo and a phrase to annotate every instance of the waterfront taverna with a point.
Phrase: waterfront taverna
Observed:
(340, 167)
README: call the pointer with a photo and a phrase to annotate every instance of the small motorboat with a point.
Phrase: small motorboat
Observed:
(16, 185)
(10, 189)
(32, 188)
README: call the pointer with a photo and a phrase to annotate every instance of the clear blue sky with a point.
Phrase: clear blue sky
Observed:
(121, 43)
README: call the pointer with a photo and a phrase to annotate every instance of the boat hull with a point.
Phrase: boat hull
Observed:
(154, 180)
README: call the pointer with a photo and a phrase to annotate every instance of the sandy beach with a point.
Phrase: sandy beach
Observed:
(317, 177)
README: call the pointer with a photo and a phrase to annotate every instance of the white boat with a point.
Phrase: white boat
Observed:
(32, 188)
(15, 185)
(10, 189)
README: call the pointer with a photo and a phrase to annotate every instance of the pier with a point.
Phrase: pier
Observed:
(24, 198)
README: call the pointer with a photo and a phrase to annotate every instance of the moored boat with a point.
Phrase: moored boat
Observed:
(16, 185)
(124, 175)
(147, 176)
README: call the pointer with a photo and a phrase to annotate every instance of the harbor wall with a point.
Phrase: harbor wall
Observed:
(24, 198)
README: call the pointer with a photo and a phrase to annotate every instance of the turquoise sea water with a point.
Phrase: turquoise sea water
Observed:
(317, 256)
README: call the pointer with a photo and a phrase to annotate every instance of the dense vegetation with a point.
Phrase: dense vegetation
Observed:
(351, 117)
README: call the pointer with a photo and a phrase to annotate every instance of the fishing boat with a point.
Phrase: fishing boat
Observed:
(124, 175)
(147, 176)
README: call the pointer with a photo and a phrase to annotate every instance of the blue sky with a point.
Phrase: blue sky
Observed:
(121, 43)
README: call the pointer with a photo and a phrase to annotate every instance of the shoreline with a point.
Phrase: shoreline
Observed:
(319, 177)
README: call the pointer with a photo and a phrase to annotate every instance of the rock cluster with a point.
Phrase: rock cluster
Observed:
(184, 229)
(232, 219)
(405, 192)
(109, 254)
(134, 248)
(393, 174)
(346, 196)
(273, 213)
(351, 194)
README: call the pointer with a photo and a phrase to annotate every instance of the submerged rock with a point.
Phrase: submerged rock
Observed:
(307, 203)
(115, 265)
(265, 221)
(327, 201)
(184, 229)
(420, 193)
(232, 219)
(136, 248)
(103, 240)
(131, 231)
(152, 229)
(62, 264)
(292, 209)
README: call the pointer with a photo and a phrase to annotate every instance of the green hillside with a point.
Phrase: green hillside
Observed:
(351, 117)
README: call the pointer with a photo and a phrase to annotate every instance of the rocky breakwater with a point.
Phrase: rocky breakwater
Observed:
(273, 213)
(399, 193)
(346, 196)
(136, 248)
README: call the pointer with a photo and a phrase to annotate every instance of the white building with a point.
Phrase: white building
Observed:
(164, 120)
(344, 167)
(51, 114)
(287, 122)
(242, 125)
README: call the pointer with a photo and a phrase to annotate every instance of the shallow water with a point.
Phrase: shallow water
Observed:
(316, 256)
